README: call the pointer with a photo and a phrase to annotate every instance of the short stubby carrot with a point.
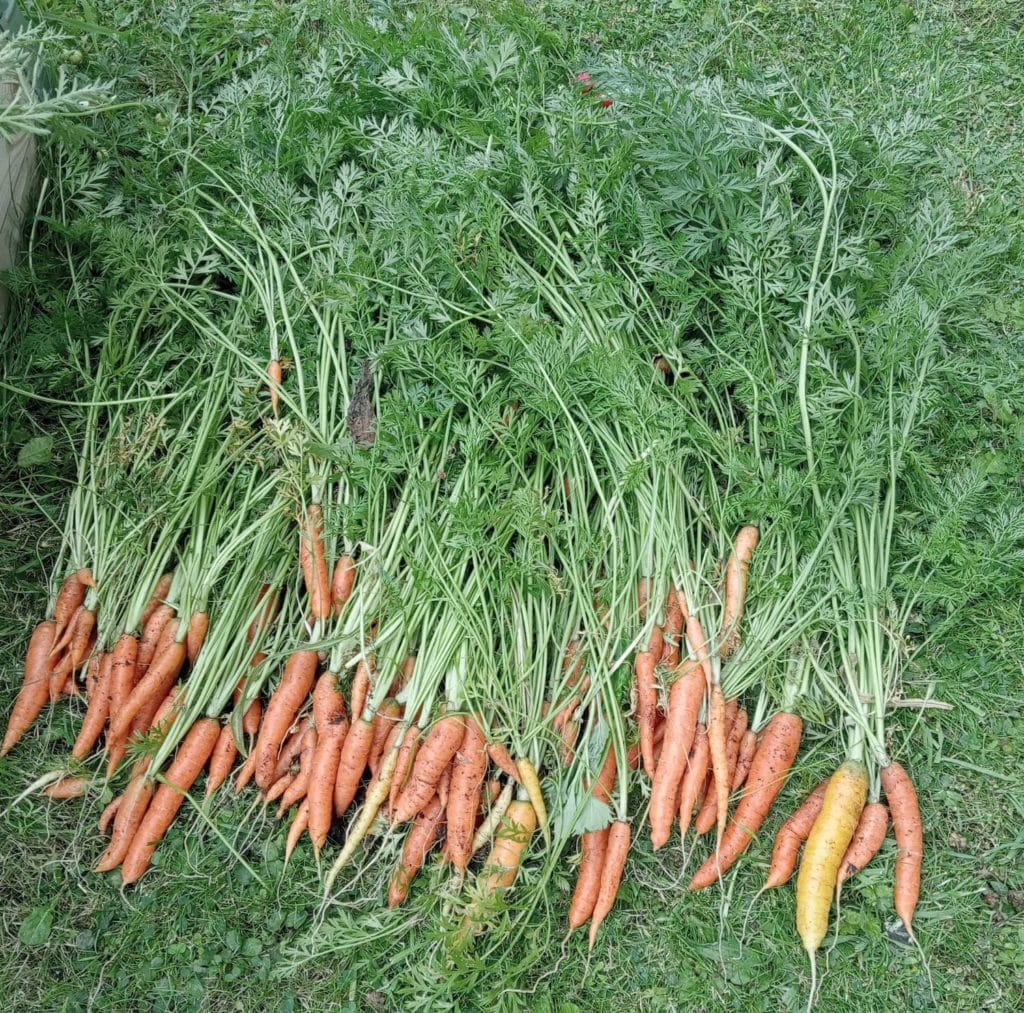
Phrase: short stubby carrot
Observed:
(188, 762)
(35, 686)
(439, 746)
(66, 787)
(284, 705)
(616, 853)
(867, 839)
(909, 834)
(769, 768)
(593, 846)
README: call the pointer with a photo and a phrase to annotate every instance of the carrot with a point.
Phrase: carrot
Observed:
(290, 751)
(279, 787)
(375, 796)
(530, 780)
(672, 631)
(69, 598)
(160, 592)
(698, 644)
(717, 740)
(198, 626)
(152, 632)
(736, 589)
(593, 846)
(568, 735)
(908, 831)
(267, 605)
(108, 814)
(144, 720)
(342, 582)
(681, 725)
(188, 762)
(314, 562)
(748, 746)
(97, 712)
(61, 643)
(162, 675)
(502, 759)
(123, 667)
(295, 831)
(35, 686)
(132, 809)
(647, 697)
(222, 760)
(867, 839)
(421, 838)
(439, 746)
(245, 772)
(355, 751)
(67, 787)
(694, 778)
(275, 373)
(464, 799)
(616, 853)
(406, 755)
(444, 784)
(768, 770)
(604, 785)
(791, 836)
(488, 825)
(826, 844)
(332, 725)
(77, 652)
(85, 577)
(384, 722)
(300, 786)
(291, 693)
(360, 688)
(737, 724)
(506, 857)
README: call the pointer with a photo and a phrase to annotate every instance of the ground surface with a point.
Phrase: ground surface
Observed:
(204, 932)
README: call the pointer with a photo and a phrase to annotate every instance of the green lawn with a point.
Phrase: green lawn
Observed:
(207, 931)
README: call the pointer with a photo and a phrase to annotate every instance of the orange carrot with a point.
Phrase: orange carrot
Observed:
(406, 755)
(616, 853)
(384, 722)
(160, 592)
(593, 846)
(355, 751)
(748, 747)
(502, 759)
(360, 689)
(643, 594)
(290, 751)
(123, 664)
(267, 604)
(332, 725)
(736, 589)
(791, 836)
(736, 722)
(130, 812)
(97, 711)
(604, 785)
(66, 787)
(464, 799)
(908, 831)
(698, 643)
(685, 698)
(647, 697)
(314, 562)
(162, 675)
(298, 789)
(188, 762)
(439, 746)
(275, 373)
(152, 634)
(342, 582)
(694, 778)
(70, 597)
(672, 631)
(278, 788)
(61, 643)
(295, 831)
(867, 839)
(222, 760)
(290, 695)
(245, 772)
(198, 626)
(421, 838)
(108, 814)
(35, 686)
(78, 650)
(717, 740)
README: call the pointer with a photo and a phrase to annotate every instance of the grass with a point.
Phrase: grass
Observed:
(203, 933)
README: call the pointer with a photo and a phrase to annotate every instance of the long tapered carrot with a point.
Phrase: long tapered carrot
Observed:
(35, 686)
(867, 839)
(343, 580)
(96, 713)
(647, 696)
(198, 626)
(684, 702)
(355, 751)
(439, 746)
(290, 695)
(717, 740)
(593, 846)
(162, 675)
(418, 841)
(615, 855)
(736, 589)
(191, 757)
(296, 830)
(791, 837)
(160, 592)
(222, 759)
(909, 834)
(134, 803)
(694, 777)
(470, 768)
(69, 598)
(331, 721)
(152, 633)
(769, 768)
(314, 562)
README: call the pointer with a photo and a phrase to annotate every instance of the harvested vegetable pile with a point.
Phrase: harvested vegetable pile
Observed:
(484, 461)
